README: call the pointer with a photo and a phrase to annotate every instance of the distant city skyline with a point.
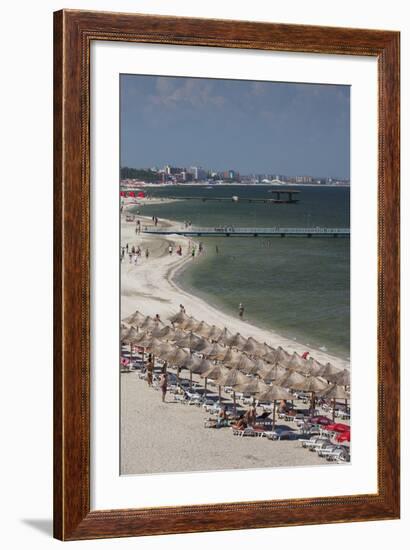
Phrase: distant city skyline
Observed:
(247, 126)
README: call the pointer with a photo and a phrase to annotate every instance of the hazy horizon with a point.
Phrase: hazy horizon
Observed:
(248, 126)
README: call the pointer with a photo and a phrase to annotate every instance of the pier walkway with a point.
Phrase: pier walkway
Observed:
(229, 231)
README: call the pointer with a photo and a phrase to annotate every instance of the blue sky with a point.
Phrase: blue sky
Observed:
(252, 127)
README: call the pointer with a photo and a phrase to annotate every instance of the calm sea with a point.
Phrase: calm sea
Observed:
(298, 287)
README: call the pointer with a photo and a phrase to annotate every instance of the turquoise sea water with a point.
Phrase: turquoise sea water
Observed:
(298, 287)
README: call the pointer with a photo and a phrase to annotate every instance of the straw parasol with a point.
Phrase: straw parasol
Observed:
(335, 392)
(179, 318)
(313, 367)
(291, 379)
(189, 324)
(236, 341)
(214, 372)
(328, 372)
(232, 378)
(252, 386)
(214, 351)
(176, 357)
(311, 384)
(295, 362)
(243, 363)
(190, 341)
(278, 355)
(135, 319)
(203, 366)
(203, 329)
(231, 356)
(130, 337)
(343, 378)
(273, 394)
(191, 362)
(225, 336)
(253, 347)
(272, 372)
(214, 333)
(151, 324)
(166, 333)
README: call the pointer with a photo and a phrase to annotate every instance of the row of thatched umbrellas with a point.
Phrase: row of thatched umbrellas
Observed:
(227, 359)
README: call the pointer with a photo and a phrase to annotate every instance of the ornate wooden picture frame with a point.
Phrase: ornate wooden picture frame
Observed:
(74, 32)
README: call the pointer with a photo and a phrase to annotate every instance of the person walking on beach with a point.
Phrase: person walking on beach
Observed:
(170, 249)
(138, 228)
(193, 252)
(200, 248)
(138, 251)
(163, 384)
(217, 249)
(133, 249)
(181, 308)
(135, 259)
(150, 370)
(156, 221)
(147, 253)
(126, 247)
(179, 250)
(241, 311)
(130, 257)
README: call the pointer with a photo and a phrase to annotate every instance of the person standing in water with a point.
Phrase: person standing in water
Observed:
(147, 253)
(241, 311)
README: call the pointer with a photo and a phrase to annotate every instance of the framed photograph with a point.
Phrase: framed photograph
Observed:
(226, 275)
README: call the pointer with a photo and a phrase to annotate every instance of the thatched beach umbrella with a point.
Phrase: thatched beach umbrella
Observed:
(313, 367)
(214, 372)
(150, 323)
(252, 386)
(244, 363)
(214, 351)
(343, 378)
(231, 357)
(192, 362)
(189, 341)
(203, 329)
(273, 394)
(189, 324)
(237, 341)
(130, 337)
(135, 319)
(252, 347)
(291, 379)
(272, 372)
(166, 333)
(225, 336)
(335, 392)
(278, 355)
(214, 333)
(329, 372)
(232, 378)
(311, 384)
(295, 362)
(179, 318)
(200, 368)
(176, 358)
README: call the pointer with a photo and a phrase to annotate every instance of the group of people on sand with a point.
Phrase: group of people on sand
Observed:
(133, 253)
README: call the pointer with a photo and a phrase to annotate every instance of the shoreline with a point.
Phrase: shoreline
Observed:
(159, 292)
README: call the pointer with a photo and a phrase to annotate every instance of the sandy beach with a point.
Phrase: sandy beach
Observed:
(170, 437)
(150, 288)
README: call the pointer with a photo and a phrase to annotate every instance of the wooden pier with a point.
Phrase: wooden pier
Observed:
(283, 196)
(230, 231)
